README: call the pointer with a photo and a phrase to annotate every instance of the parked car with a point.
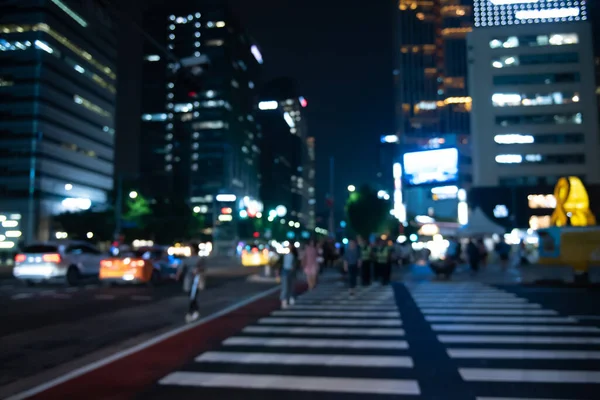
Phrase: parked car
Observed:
(68, 261)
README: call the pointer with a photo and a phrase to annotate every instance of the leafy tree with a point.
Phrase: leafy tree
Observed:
(366, 212)
(137, 211)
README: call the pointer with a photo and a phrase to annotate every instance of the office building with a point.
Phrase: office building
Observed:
(535, 113)
(199, 136)
(287, 159)
(57, 101)
(431, 86)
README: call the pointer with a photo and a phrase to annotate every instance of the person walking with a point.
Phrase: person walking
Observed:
(288, 277)
(192, 270)
(474, 255)
(310, 264)
(386, 273)
(503, 251)
(352, 259)
(382, 261)
(366, 262)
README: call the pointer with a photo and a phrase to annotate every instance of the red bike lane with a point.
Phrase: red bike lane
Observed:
(129, 373)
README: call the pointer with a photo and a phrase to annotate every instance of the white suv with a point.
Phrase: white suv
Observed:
(68, 260)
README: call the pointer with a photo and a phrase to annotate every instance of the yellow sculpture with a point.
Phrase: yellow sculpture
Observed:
(572, 203)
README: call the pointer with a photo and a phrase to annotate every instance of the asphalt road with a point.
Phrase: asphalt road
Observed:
(48, 326)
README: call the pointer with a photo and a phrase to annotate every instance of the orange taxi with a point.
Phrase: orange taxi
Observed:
(142, 266)
(255, 256)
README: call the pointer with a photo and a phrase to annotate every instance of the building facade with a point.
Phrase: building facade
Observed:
(199, 133)
(287, 166)
(535, 112)
(57, 106)
(431, 86)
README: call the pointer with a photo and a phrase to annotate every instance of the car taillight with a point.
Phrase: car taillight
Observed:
(266, 252)
(20, 258)
(106, 263)
(255, 250)
(138, 263)
(51, 258)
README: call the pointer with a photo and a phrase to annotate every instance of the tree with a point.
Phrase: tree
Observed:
(137, 211)
(366, 212)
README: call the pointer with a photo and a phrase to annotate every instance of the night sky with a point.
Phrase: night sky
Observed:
(340, 51)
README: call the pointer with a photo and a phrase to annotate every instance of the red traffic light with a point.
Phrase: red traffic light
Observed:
(256, 234)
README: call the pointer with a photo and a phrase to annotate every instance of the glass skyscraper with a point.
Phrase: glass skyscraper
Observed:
(57, 106)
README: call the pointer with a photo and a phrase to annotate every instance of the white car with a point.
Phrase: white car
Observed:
(68, 261)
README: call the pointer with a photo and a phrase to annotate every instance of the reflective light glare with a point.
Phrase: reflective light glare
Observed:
(153, 58)
(509, 159)
(506, 98)
(10, 224)
(303, 102)
(445, 190)
(220, 24)
(68, 186)
(256, 53)
(268, 105)
(289, 120)
(548, 13)
(462, 195)
(41, 45)
(226, 198)
(90, 235)
(390, 139)
(71, 203)
(225, 218)
(79, 69)
(463, 213)
(13, 234)
(351, 188)
(533, 157)
(514, 138)
(397, 171)
(70, 13)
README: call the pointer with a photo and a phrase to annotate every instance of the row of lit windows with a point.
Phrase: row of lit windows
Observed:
(537, 79)
(91, 106)
(553, 39)
(534, 59)
(531, 180)
(62, 40)
(404, 5)
(540, 159)
(457, 33)
(456, 11)
(536, 99)
(425, 49)
(540, 119)
(557, 138)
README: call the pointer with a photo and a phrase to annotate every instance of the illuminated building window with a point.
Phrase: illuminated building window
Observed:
(537, 79)
(534, 59)
(429, 49)
(454, 82)
(430, 71)
(215, 42)
(540, 222)
(514, 12)
(543, 159)
(456, 11)
(537, 99)
(553, 39)
(456, 32)
(458, 100)
(154, 117)
(541, 201)
(42, 27)
(91, 106)
(4, 82)
(539, 119)
(209, 125)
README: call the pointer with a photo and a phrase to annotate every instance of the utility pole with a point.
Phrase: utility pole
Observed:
(331, 191)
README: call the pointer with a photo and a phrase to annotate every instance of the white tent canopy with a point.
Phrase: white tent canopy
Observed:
(479, 225)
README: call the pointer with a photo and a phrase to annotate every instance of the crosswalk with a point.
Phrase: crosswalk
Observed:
(452, 341)
(505, 347)
(330, 344)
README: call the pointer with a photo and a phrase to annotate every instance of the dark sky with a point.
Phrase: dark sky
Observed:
(340, 51)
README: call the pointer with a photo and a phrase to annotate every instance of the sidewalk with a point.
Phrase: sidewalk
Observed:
(494, 274)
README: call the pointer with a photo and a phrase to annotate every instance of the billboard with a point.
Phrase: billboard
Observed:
(431, 167)
(516, 12)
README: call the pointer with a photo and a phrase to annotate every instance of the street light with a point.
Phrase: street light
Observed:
(351, 188)
(68, 186)
(133, 194)
(90, 235)
(197, 209)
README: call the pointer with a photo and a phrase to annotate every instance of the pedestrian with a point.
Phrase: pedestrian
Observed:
(483, 251)
(352, 259)
(474, 255)
(310, 264)
(503, 251)
(382, 262)
(366, 262)
(192, 270)
(288, 276)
